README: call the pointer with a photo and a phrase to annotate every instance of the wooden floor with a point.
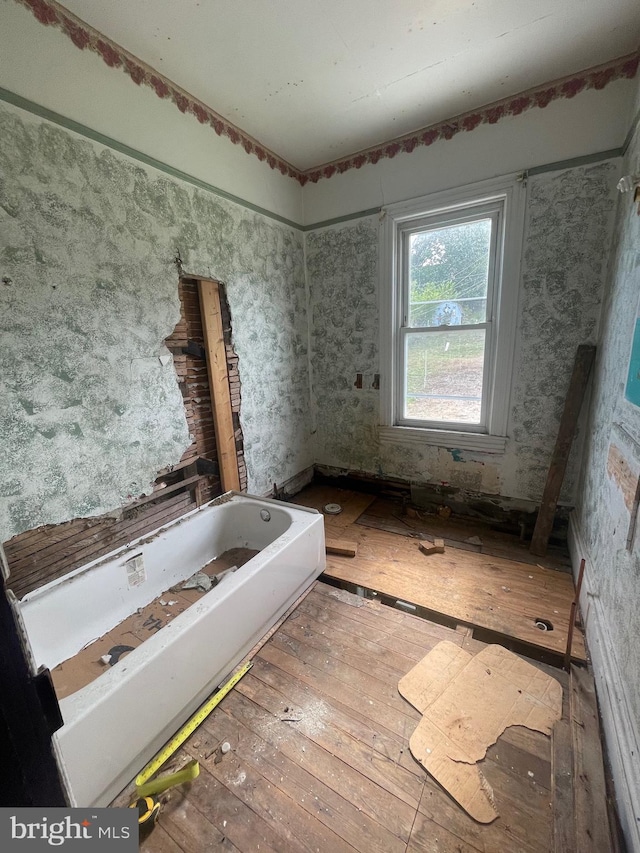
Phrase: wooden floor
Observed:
(319, 756)
(479, 585)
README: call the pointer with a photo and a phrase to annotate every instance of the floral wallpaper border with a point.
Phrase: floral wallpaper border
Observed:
(625, 67)
(50, 13)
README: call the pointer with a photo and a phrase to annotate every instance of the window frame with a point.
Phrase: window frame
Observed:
(506, 195)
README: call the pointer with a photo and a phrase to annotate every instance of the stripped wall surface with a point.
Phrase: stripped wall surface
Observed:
(569, 222)
(90, 408)
(606, 529)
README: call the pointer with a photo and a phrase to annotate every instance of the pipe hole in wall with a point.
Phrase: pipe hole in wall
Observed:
(543, 625)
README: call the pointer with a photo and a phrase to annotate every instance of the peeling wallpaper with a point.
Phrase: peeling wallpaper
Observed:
(568, 231)
(88, 411)
(602, 521)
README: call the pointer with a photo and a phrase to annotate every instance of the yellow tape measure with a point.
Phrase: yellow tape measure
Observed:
(144, 787)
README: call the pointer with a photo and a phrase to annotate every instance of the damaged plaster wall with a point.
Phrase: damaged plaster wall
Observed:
(570, 216)
(606, 523)
(342, 265)
(569, 222)
(89, 411)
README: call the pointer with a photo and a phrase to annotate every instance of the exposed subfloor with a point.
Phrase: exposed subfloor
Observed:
(496, 587)
(320, 761)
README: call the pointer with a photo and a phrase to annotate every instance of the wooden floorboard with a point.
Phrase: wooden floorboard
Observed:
(462, 533)
(590, 809)
(365, 683)
(378, 615)
(160, 841)
(329, 727)
(320, 763)
(232, 818)
(489, 591)
(353, 504)
(295, 827)
(564, 833)
(310, 794)
(190, 830)
(439, 815)
(318, 771)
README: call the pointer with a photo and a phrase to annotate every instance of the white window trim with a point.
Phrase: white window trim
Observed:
(512, 190)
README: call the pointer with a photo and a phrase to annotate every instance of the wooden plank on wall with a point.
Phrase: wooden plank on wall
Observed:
(86, 539)
(219, 383)
(573, 403)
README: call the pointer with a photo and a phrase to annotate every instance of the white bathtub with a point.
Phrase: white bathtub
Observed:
(114, 725)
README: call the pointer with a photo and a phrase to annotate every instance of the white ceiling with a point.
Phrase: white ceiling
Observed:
(315, 80)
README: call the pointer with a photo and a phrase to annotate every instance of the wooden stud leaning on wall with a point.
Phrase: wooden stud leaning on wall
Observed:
(219, 383)
(584, 359)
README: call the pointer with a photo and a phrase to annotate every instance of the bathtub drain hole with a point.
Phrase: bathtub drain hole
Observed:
(265, 515)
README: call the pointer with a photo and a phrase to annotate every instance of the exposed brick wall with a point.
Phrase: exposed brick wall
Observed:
(38, 556)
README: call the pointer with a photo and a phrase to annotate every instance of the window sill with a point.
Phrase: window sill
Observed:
(443, 438)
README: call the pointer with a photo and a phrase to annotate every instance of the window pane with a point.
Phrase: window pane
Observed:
(448, 275)
(445, 375)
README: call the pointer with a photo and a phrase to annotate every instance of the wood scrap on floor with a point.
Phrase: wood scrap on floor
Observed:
(435, 547)
(456, 532)
(467, 702)
(341, 547)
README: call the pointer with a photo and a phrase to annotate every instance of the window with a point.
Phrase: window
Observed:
(449, 298)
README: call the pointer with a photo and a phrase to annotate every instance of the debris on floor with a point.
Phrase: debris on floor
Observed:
(435, 547)
(341, 547)
(200, 581)
(114, 654)
(221, 751)
(204, 582)
(217, 578)
(467, 702)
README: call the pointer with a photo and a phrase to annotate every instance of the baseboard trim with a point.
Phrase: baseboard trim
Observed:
(511, 515)
(621, 738)
(292, 485)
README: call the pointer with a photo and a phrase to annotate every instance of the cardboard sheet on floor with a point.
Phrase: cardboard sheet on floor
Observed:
(467, 701)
